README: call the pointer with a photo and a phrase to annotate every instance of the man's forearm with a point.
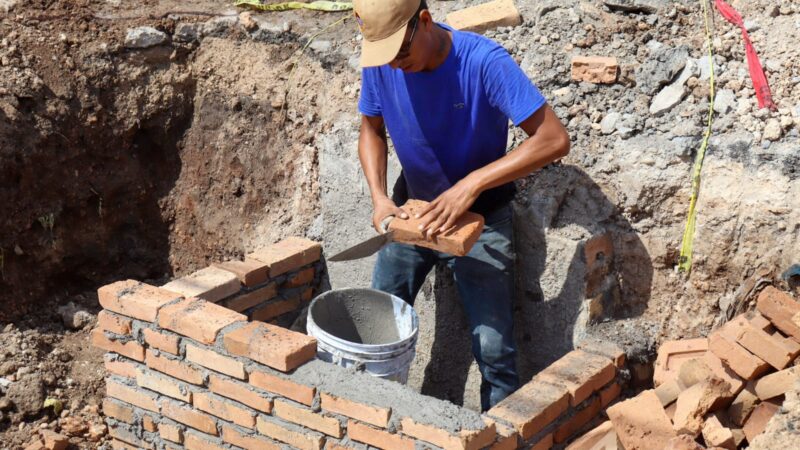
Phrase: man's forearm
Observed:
(372, 152)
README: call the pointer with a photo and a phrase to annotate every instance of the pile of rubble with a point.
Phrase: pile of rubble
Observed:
(721, 390)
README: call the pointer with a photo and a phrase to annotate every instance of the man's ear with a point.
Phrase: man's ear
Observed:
(426, 20)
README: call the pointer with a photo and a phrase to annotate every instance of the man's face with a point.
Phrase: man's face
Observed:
(413, 54)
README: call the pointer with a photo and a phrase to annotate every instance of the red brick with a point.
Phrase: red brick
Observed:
(744, 363)
(777, 383)
(247, 441)
(131, 298)
(377, 438)
(170, 432)
(224, 409)
(780, 309)
(743, 405)
(672, 354)
(196, 441)
(370, 414)
(116, 445)
(287, 255)
(239, 392)
(163, 385)
(761, 322)
(307, 295)
(149, 424)
(247, 300)
(162, 341)
(581, 373)
(174, 367)
(683, 442)
(532, 407)
(307, 418)
(464, 439)
(595, 69)
(53, 440)
(296, 437)
(274, 346)
(250, 271)
(716, 435)
(770, 348)
(609, 394)
(215, 361)
(300, 278)
(506, 437)
(126, 435)
(120, 367)
(641, 422)
(211, 284)
(275, 308)
(128, 394)
(577, 421)
(118, 411)
(604, 348)
(757, 422)
(601, 437)
(693, 371)
(479, 18)
(695, 402)
(723, 372)
(668, 392)
(283, 387)
(188, 416)
(111, 322)
(127, 347)
(544, 443)
(458, 241)
(197, 319)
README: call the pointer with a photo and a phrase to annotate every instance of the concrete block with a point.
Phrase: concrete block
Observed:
(365, 413)
(532, 407)
(493, 14)
(757, 422)
(377, 438)
(250, 272)
(214, 361)
(287, 255)
(672, 354)
(174, 368)
(161, 341)
(716, 435)
(128, 348)
(231, 435)
(641, 422)
(273, 346)
(240, 392)
(595, 69)
(307, 418)
(581, 373)
(134, 299)
(211, 284)
(601, 437)
(224, 409)
(292, 435)
(457, 241)
(283, 387)
(462, 440)
(744, 363)
(780, 309)
(113, 323)
(189, 416)
(695, 402)
(777, 383)
(197, 319)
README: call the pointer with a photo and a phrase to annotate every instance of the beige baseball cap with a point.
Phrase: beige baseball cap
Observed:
(383, 24)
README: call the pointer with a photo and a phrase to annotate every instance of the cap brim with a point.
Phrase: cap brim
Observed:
(378, 53)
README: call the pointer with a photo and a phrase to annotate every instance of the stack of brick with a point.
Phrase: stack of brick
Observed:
(720, 391)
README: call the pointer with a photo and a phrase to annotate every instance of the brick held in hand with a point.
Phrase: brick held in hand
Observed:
(457, 241)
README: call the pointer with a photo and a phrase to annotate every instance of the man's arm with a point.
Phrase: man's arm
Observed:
(547, 141)
(372, 151)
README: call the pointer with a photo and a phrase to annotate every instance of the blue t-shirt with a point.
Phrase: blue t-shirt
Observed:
(452, 120)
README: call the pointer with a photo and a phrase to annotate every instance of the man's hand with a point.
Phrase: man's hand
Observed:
(441, 214)
(383, 208)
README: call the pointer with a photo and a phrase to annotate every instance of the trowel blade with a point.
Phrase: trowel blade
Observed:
(364, 249)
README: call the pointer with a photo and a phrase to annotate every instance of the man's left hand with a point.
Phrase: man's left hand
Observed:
(441, 214)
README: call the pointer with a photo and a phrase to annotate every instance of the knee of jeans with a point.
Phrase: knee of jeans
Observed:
(493, 347)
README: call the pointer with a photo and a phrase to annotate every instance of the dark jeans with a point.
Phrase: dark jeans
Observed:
(485, 281)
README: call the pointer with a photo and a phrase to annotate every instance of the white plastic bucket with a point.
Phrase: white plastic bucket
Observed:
(365, 328)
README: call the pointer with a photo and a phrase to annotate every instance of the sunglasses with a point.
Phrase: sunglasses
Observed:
(405, 49)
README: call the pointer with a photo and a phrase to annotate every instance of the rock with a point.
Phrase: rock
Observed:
(247, 22)
(187, 32)
(73, 426)
(661, 68)
(97, 431)
(644, 6)
(772, 131)
(724, 101)
(54, 441)
(9, 367)
(144, 37)
(672, 94)
(609, 122)
(27, 395)
(74, 317)
(321, 46)
(218, 26)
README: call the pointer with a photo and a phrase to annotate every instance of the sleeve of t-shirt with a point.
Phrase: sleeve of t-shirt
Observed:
(369, 103)
(508, 88)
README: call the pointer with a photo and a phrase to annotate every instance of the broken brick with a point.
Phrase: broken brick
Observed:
(53, 440)
(668, 392)
(672, 354)
(458, 241)
(716, 435)
(287, 255)
(693, 372)
(757, 422)
(743, 405)
(479, 18)
(274, 346)
(695, 402)
(210, 284)
(134, 299)
(641, 422)
(595, 69)
(682, 442)
(723, 372)
(744, 363)
(197, 319)
(780, 309)
(777, 383)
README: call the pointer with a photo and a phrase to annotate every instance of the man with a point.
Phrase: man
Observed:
(446, 97)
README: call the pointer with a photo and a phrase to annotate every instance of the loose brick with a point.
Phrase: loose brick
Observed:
(716, 435)
(377, 438)
(641, 422)
(188, 416)
(162, 341)
(128, 394)
(215, 361)
(744, 363)
(300, 278)
(595, 69)
(250, 272)
(292, 435)
(38, 445)
(532, 407)
(581, 373)
(672, 355)
(601, 437)
(757, 422)
(780, 309)
(196, 441)
(288, 255)
(693, 372)
(486, 16)
(134, 299)
(118, 411)
(247, 300)
(125, 347)
(743, 405)
(695, 402)
(370, 414)
(683, 442)
(239, 392)
(211, 284)
(224, 409)
(174, 367)
(274, 346)
(275, 308)
(723, 372)
(170, 432)
(577, 421)
(149, 424)
(117, 366)
(609, 394)
(284, 387)
(163, 385)
(308, 418)
(53, 440)
(777, 383)
(608, 349)
(770, 348)
(197, 319)
(761, 322)
(668, 392)
(465, 439)
(458, 241)
(247, 441)
(111, 322)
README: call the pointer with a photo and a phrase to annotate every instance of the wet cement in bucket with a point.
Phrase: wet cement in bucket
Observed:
(357, 315)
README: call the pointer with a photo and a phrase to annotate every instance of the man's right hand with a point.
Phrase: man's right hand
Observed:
(384, 208)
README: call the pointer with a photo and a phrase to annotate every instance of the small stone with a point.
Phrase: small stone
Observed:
(144, 37)
(74, 317)
(186, 32)
(609, 122)
(321, 46)
(772, 131)
(724, 101)
(247, 21)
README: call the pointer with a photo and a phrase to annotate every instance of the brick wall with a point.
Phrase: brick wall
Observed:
(192, 364)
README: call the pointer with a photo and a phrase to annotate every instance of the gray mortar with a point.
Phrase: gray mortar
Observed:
(361, 316)
(402, 400)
